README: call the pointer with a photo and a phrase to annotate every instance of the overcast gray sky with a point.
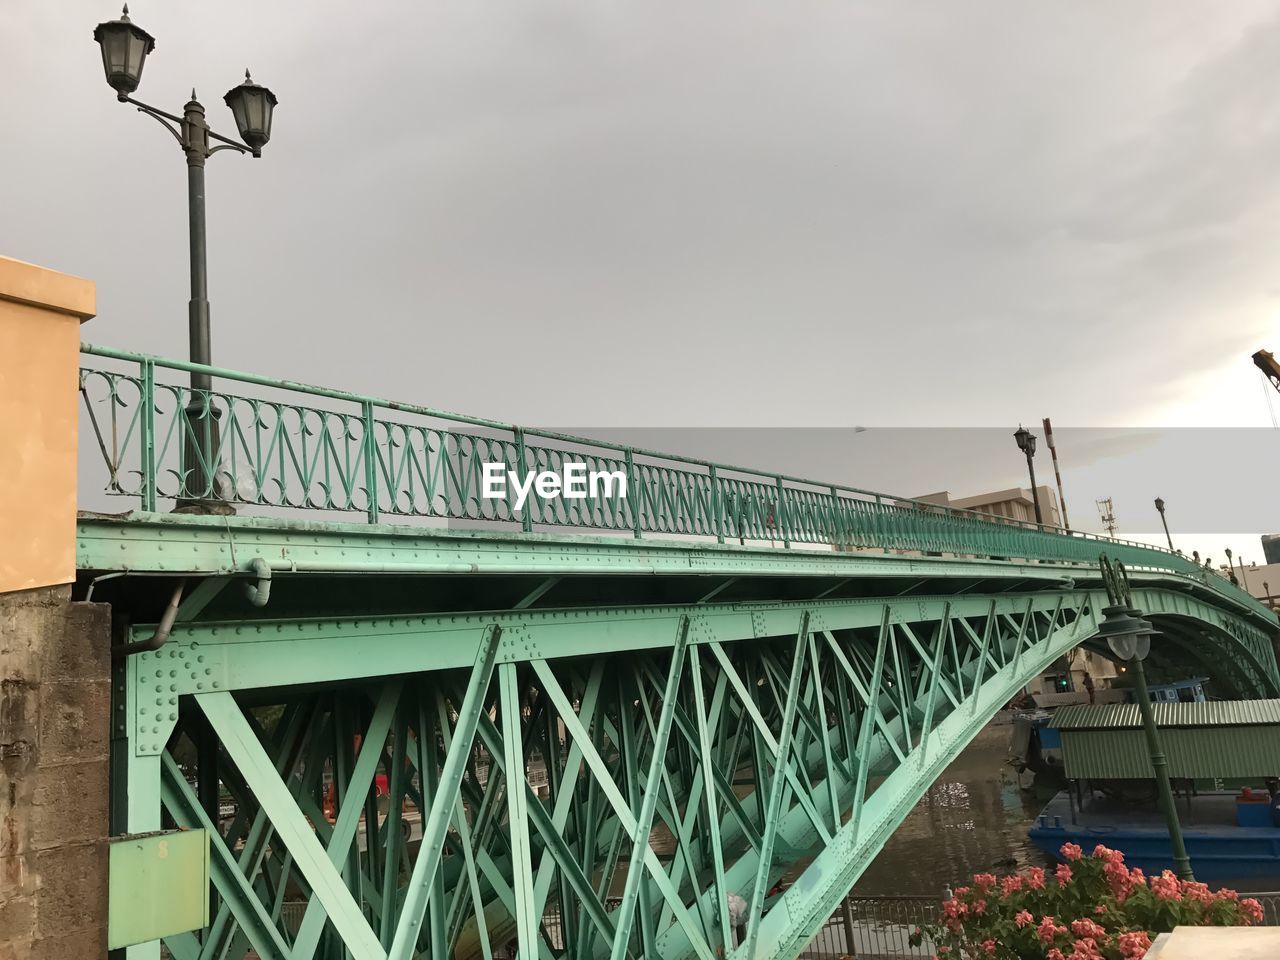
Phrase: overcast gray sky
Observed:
(709, 213)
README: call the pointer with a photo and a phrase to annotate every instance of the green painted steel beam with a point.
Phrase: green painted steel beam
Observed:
(242, 746)
(437, 819)
(644, 824)
(942, 655)
(206, 657)
(185, 543)
(873, 687)
(815, 894)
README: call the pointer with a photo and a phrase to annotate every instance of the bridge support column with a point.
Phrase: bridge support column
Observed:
(54, 733)
(55, 659)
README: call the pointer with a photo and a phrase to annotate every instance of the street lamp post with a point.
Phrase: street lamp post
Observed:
(125, 47)
(1163, 521)
(1129, 637)
(1231, 568)
(1027, 444)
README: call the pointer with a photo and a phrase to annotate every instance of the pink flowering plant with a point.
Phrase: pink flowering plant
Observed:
(1090, 908)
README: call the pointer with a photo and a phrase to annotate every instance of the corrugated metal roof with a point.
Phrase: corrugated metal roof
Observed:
(1192, 752)
(1123, 716)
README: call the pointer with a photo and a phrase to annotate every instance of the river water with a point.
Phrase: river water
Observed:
(973, 819)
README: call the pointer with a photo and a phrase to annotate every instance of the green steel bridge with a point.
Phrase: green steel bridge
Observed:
(673, 724)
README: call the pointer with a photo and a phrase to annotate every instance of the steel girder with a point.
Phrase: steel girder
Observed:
(583, 783)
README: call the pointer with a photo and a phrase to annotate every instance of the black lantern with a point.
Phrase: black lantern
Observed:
(251, 104)
(1026, 441)
(124, 50)
(1127, 634)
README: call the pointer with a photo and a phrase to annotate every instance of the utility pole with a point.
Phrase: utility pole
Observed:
(1057, 475)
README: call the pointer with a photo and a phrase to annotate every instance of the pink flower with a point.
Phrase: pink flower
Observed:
(1118, 879)
(1071, 851)
(989, 946)
(1054, 954)
(1010, 883)
(1137, 876)
(1022, 918)
(961, 891)
(1196, 892)
(1166, 886)
(1226, 893)
(1101, 852)
(1099, 909)
(979, 906)
(943, 951)
(1063, 873)
(1135, 944)
(1035, 878)
(1251, 909)
(1047, 930)
(1085, 928)
(954, 909)
(984, 881)
(1085, 949)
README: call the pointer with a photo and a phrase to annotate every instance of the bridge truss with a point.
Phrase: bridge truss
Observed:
(450, 742)
(764, 744)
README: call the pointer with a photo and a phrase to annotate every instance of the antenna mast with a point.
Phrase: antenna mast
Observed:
(1108, 514)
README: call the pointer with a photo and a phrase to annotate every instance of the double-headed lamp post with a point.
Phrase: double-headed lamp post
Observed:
(1027, 444)
(125, 46)
(1129, 637)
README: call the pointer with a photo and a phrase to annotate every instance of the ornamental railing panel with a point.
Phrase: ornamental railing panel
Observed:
(257, 442)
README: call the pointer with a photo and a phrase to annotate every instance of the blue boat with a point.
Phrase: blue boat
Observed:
(1222, 852)
(1224, 760)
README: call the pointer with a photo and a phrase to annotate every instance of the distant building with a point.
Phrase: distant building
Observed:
(1064, 681)
(1271, 547)
(1262, 581)
(1015, 504)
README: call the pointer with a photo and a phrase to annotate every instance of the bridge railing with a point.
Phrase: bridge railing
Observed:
(286, 445)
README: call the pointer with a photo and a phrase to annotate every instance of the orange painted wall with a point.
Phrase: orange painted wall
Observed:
(40, 315)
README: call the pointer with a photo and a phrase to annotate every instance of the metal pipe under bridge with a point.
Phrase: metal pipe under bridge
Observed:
(677, 723)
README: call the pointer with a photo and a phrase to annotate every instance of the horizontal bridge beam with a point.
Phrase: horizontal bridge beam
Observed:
(188, 545)
(228, 656)
(191, 544)
(204, 657)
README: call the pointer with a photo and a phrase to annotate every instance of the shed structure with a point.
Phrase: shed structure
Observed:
(1215, 739)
